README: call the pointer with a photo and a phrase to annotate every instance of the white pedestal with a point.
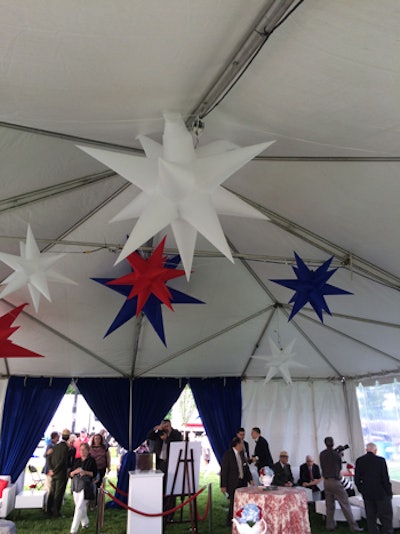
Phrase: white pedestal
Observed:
(145, 494)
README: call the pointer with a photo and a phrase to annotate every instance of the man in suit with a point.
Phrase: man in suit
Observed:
(310, 475)
(234, 474)
(262, 455)
(372, 481)
(282, 472)
(161, 436)
(58, 472)
(246, 451)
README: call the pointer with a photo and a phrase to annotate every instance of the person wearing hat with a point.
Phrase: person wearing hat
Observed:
(282, 471)
(82, 438)
(58, 466)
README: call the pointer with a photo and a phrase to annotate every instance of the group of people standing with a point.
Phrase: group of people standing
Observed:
(84, 463)
(240, 468)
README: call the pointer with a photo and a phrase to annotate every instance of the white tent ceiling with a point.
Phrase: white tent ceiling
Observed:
(325, 85)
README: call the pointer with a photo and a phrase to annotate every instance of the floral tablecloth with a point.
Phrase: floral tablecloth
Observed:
(284, 510)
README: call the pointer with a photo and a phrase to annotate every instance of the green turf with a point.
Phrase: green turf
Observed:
(36, 521)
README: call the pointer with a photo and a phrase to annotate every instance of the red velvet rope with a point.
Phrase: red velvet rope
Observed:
(167, 512)
(203, 517)
(123, 493)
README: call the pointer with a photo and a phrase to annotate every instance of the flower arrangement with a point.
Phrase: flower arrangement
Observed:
(248, 520)
(350, 469)
(266, 475)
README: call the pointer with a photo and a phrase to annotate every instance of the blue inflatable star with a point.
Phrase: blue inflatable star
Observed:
(152, 307)
(311, 287)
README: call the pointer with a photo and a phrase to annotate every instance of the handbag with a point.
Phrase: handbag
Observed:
(80, 483)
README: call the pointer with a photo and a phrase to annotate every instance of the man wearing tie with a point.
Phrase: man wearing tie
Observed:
(234, 474)
(282, 471)
(310, 476)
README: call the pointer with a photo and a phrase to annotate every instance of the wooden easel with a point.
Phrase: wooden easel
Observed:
(188, 485)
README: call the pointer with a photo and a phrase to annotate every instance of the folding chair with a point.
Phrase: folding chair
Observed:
(36, 477)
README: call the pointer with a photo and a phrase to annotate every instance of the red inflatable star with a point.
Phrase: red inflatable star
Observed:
(149, 277)
(7, 348)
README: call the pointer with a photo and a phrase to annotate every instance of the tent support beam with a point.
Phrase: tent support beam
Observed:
(312, 344)
(347, 258)
(140, 152)
(257, 344)
(45, 193)
(71, 342)
(203, 341)
(271, 16)
(351, 338)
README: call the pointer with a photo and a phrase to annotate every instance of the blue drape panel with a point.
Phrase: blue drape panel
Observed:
(219, 401)
(29, 406)
(152, 400)
(109, 398)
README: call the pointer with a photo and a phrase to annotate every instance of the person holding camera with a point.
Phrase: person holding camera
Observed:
(161, 436)
(331, 464)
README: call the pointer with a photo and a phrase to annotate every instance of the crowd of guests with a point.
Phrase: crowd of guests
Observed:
(241, 466)
(84, 460)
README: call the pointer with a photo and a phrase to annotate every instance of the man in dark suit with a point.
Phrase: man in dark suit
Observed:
(246, 452)
(161, 436)
(282, 472)
(310, 475)
(372, 481)
(262, 455)
(58, 466)
(234, 474)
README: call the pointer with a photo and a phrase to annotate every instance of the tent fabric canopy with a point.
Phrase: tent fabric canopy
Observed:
(324, 85)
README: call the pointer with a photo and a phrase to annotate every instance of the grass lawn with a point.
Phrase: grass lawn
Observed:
(35, 521)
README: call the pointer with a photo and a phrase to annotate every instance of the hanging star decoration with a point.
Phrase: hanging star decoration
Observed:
(33, 269)
(311, 286)
(279, 361)
(8, 349)
(145, 289)
(181, 187)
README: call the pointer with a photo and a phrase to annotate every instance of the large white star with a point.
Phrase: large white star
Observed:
(32, 269)
(280, 361)
(181, 187)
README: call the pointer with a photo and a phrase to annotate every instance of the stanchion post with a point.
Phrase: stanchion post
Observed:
(210, 508)
(100, 508)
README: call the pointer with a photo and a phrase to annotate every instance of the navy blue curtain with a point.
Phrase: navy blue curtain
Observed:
(219, 401)
(109, 398)
(29, 406)
(152, 400)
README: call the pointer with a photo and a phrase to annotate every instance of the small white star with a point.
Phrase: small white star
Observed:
(32, 269)
(280, 361)
(181, 187)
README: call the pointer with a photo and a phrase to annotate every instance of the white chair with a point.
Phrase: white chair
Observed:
(357, 500)
(320, 508)
(7, 500)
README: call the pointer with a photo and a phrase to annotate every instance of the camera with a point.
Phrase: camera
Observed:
(341, 448)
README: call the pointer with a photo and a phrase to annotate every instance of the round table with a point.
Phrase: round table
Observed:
(285, 510)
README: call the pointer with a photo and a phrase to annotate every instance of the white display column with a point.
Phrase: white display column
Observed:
(145, 495)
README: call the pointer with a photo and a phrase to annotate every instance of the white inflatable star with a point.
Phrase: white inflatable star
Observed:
(32, 269)
(280, 361)
(181, 187)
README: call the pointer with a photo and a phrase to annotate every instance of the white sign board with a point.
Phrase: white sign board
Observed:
(176, 467)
